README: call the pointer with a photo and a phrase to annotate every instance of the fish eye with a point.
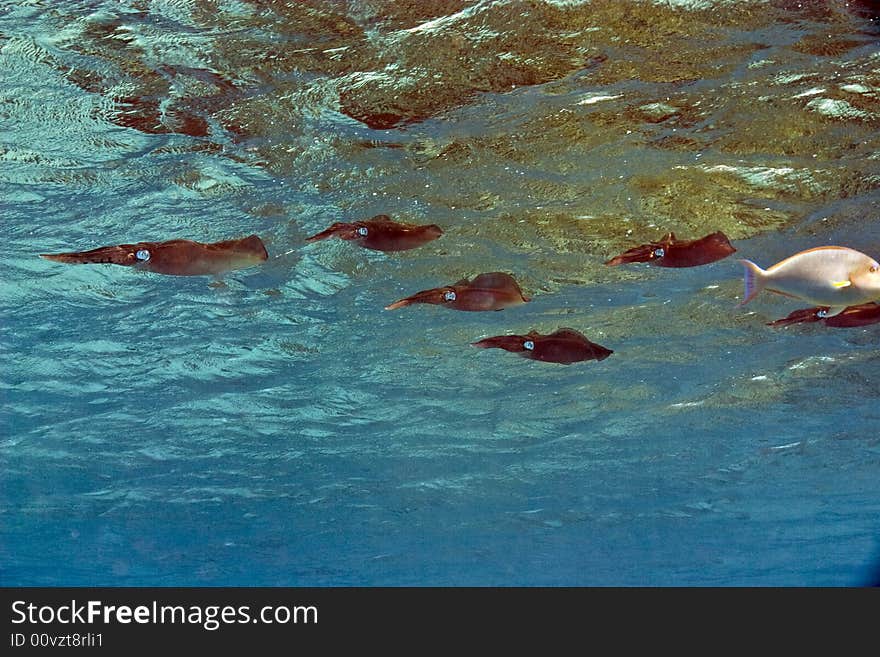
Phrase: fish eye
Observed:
(528, 344)
(362, 231)
(873, 269)
(449, 296)
(142, 254)
(659, 253)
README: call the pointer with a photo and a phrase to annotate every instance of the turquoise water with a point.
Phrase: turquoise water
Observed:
(281, 428)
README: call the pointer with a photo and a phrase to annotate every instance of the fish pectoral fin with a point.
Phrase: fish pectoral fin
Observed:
(846, 283)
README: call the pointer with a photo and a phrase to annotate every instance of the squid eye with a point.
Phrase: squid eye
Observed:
(449, 296)
(362, 231)
(142, 254)
(659, 253)
(528, 344)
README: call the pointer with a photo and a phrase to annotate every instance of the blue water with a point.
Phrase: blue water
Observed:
(281, 428)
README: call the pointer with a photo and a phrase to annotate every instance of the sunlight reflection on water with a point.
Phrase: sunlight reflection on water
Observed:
(284, 429)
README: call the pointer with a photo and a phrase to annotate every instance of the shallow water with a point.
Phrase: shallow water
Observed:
(283, 429)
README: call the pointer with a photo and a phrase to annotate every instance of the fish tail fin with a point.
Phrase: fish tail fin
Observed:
(755, 279)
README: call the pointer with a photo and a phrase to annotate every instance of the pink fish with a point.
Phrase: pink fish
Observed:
(832, 276)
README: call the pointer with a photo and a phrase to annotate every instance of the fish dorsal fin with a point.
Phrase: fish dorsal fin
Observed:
(568, 333)
(495, 281)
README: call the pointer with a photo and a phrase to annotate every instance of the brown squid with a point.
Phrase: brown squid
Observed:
(491, 291)
(863, 314)
(673, 252)
(564, 346)
(174, 257)
(381, 233)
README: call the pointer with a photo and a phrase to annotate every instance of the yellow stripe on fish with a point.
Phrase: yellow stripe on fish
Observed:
(833, 276)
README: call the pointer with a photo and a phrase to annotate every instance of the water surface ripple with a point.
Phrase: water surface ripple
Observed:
(281, 428)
